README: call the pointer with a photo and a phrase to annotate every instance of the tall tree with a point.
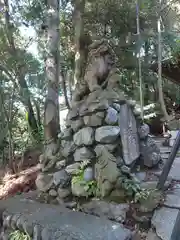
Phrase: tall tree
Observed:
(160, 85)
(81, 40)
(51, 114)
(19, 66)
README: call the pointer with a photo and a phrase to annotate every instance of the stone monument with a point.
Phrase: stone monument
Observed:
(104, 136)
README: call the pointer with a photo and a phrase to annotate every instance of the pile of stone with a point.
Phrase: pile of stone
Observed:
(105, 130)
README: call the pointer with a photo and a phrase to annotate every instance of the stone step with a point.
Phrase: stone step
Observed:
(56, 222)
(163, 221)
(164, 156)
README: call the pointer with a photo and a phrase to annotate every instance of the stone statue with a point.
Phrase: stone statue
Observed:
(100, 62)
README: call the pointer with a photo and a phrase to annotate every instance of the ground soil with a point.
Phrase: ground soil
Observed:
(24, 181)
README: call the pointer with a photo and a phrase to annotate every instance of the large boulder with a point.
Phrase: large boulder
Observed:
(77, 124)
(112, 116)
(107, 134)
(44, 182)
(94, 120)
(67, 148)
(82, 154)
(61, 179)
(85, 136)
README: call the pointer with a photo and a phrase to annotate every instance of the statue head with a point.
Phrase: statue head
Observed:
(101, 49)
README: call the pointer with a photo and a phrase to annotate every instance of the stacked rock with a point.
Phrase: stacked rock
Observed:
(103, 129)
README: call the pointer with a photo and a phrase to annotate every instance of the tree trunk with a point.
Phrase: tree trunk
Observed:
(51, 114)
(20, 72)
(63, 83)
(80, 53)
(159, 83)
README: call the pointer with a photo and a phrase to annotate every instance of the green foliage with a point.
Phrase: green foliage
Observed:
(133, 189)
(18, 235)
(89, 186)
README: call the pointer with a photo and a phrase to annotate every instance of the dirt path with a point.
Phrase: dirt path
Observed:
(18, 183)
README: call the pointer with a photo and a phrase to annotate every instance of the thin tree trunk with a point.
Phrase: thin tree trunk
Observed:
(139, 61)
(51, 114)
(70, 82)
(20, 73)
(63, 83)
(159, 83)
(10, 118)
(80, 55)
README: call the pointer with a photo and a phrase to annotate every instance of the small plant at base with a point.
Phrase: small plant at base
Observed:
(143, 194)
(18, 235)
(89, 186)
(134, 190)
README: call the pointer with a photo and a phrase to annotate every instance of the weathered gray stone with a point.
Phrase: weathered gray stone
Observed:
(153, 184)
(78, 189)
(152, 235)
(44, 182)
(53, 193)
(36, 233)
(117, 106)
(83, 108)
(176, 189)
(62, 223)
(63, 192)
(60, 164)
(88, 174)
(172, 201)
(163, 221)
(111, 211)
(82, 154)
(109, 147)
(27, 227)
(72, 114)
(129, 135)
(103, 105)
(104, 188)
(125, 169)
(67, 148)
(77, 124)
(150, 152)
(118, 195)
(100, 114)
(149, 185)
(112, 116)
(119, 162)
(67, 134)
(45, 234)
(93, 97)
(137, 111)
(174, 172)
(14, 221)
(173, 197)
(107, 134)
(73, 168)
(143, 131)
(131, 103)
(61, 178)
(85, 136)
(106, 171)
(151, 202)
(93, 121)
(141, 176)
